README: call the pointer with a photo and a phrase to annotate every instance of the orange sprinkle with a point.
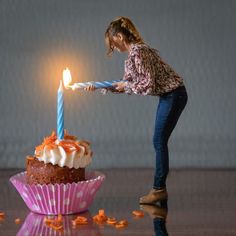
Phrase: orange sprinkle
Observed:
(67, 136)
(100, 219)
(17, 221)
(56, 223)
(51, 146)
(101, 212)
(111, 221)
(138, 213)
(75, 223)
(59, 227)
(124, 222)
(69, 146)
(118, 225)
(80, 220)
(2, 214)
(59, 217)
(121, 224)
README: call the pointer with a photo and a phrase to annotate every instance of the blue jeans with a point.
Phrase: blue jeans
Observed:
(170, 107)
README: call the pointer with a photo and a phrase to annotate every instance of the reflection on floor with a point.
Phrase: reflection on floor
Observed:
(201, 202)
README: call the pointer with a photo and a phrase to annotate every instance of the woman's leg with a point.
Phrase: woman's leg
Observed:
(168, 112)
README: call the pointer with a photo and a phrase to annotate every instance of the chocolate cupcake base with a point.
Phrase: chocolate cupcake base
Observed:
(37, 172)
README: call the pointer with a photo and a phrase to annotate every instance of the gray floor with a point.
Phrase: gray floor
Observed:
(201, 202)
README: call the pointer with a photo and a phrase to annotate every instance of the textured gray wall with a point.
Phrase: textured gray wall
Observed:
(38, 38)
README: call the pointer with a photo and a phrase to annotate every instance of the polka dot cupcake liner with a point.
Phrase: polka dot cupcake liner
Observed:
(53, 199)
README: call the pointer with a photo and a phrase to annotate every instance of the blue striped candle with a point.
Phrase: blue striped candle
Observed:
(60, 112)
(103, 84)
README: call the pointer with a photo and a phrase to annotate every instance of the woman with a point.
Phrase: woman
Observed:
(147, 74)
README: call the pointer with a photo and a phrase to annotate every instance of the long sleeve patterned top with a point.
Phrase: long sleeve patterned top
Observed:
(147, 74)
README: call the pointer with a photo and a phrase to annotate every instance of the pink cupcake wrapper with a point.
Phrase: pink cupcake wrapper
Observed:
(53, 199)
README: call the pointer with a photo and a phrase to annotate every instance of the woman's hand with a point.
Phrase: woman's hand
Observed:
(90, 88)
(120, 86)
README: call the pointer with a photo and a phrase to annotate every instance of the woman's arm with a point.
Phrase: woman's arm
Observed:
(138, 73)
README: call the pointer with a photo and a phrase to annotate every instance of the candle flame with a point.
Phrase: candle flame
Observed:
(67, 78)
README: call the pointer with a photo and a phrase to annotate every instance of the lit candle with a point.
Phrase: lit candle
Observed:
(60, 112)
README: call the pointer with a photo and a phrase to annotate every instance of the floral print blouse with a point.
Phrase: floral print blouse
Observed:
(147, 74)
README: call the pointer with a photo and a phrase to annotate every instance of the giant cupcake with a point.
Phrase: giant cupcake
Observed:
(55, 180)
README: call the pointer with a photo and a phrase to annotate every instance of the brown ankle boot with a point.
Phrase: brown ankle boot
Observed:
(154, 196)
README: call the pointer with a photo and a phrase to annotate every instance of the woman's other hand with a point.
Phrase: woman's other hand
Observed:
(120, 86)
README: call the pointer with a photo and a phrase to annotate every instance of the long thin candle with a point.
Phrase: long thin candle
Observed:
(60, 112)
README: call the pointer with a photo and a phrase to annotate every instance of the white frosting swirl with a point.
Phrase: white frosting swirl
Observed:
(58, 156)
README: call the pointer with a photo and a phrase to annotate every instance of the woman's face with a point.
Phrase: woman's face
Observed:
(118, 42)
